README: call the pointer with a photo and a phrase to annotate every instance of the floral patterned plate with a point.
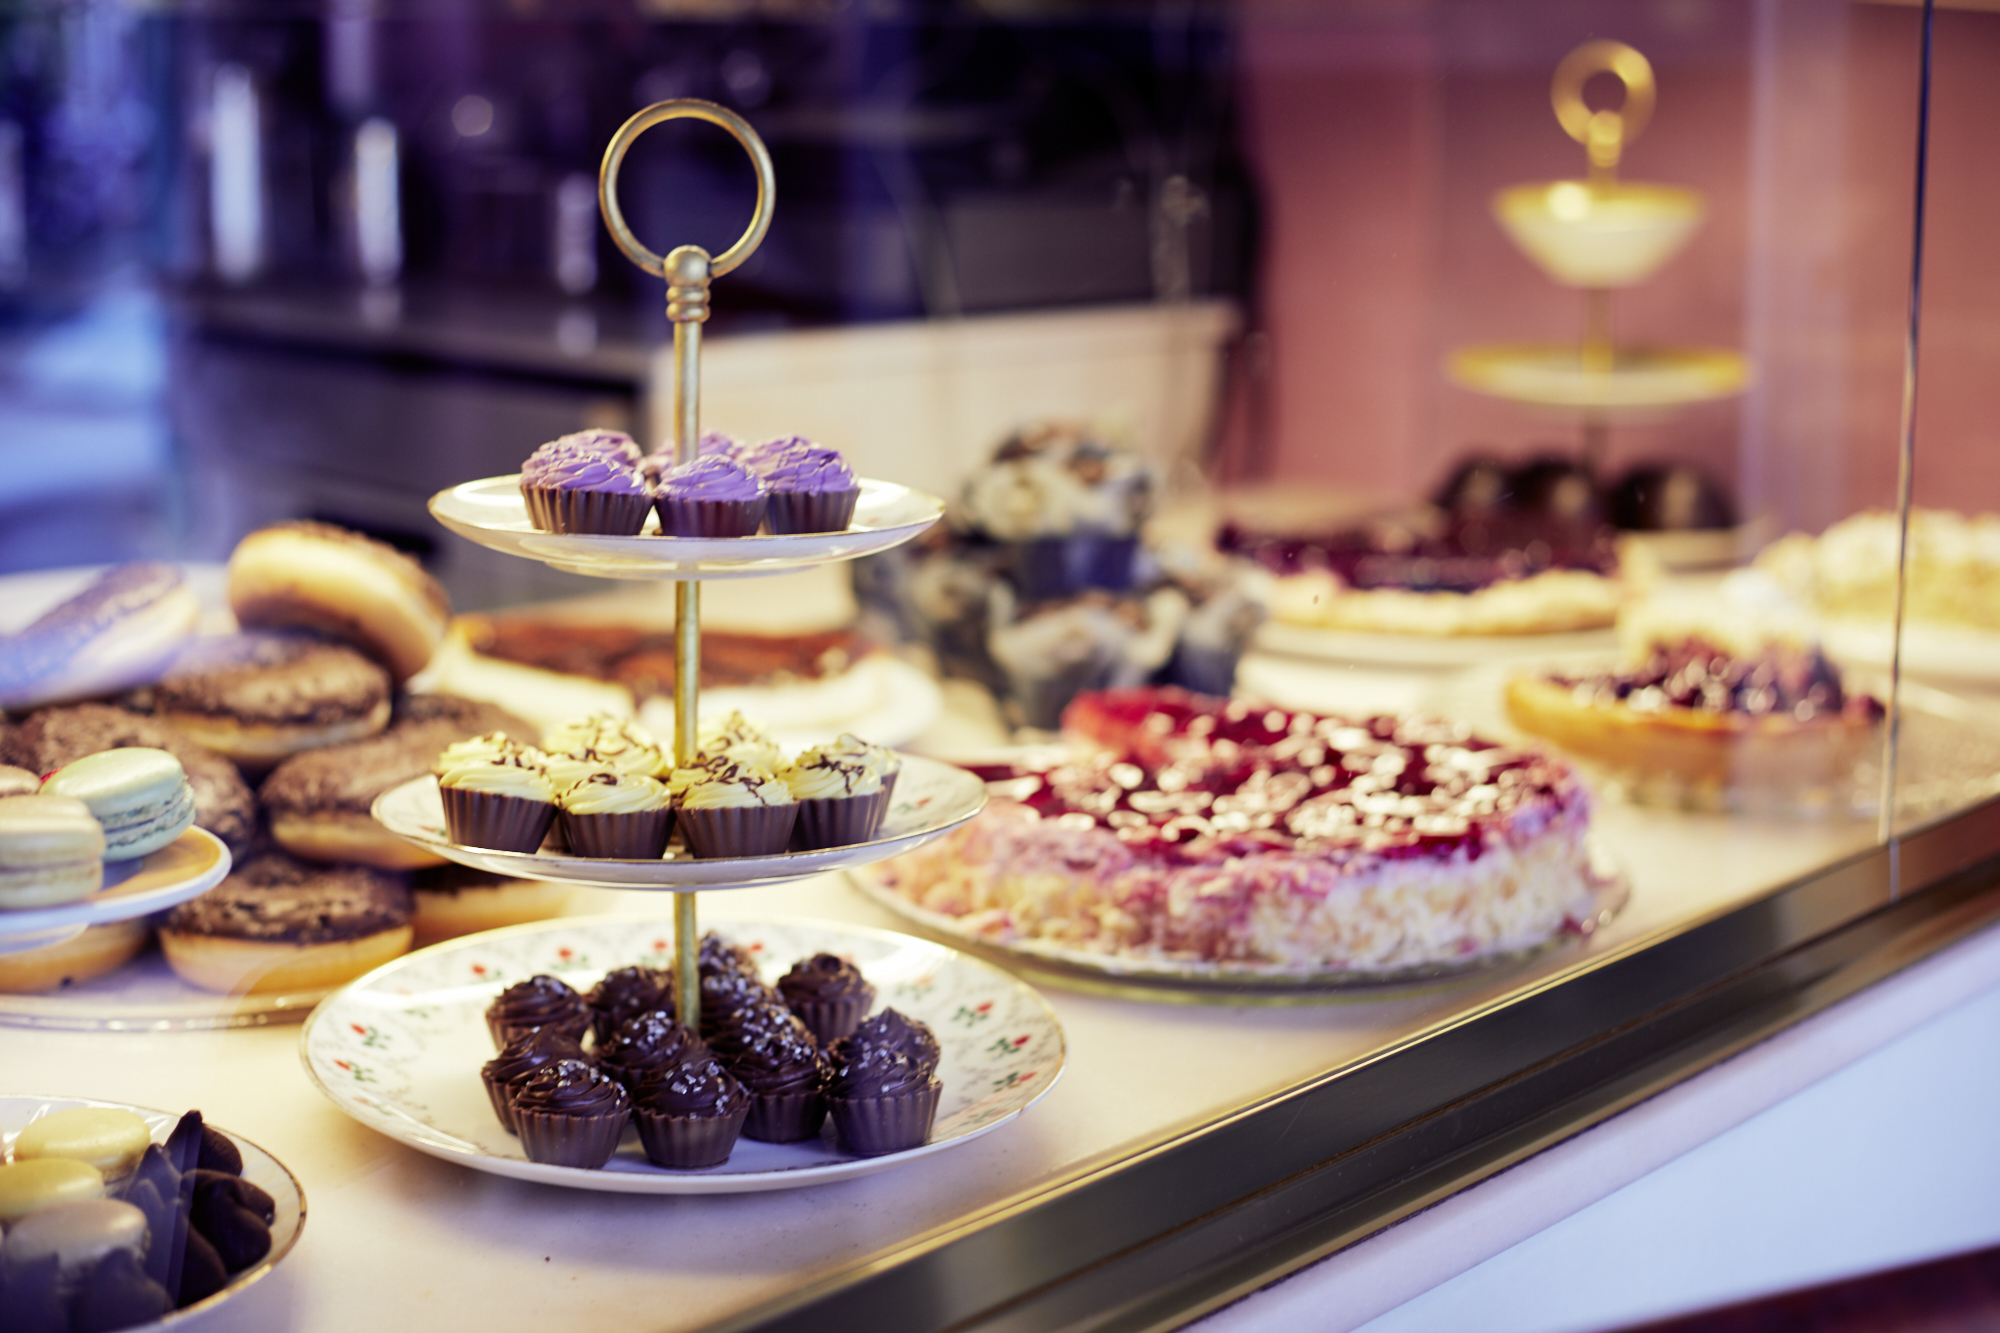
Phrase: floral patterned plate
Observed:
(400, 1049)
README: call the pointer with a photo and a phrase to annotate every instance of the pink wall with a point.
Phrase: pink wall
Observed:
(1378, 134)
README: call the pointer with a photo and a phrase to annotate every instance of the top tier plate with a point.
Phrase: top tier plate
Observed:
(490, 511)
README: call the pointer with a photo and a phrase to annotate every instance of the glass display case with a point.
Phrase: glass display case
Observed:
(1584, 395)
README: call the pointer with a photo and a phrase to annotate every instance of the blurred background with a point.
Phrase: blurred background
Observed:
(260, 261)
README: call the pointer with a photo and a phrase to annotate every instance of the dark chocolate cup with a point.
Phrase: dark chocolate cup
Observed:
(738, 830)
(811, 511)
(638, 836)
(784, 1117)
(836, 821)
(504, 1034)
(830, 1020)
(872, 1126)
(502, 1097)
(710, 518)
(497, 822)
(585, 1141)
(688, 1142)
(606, 513)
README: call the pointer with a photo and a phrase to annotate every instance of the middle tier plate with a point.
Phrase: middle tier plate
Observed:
(490, 511)
(931, 799)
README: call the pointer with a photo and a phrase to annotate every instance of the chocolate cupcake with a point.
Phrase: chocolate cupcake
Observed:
(839, 799)
(626, 991)
(882, 1101)
(571, 488)
(690, 1114)
(616, 816)
(785, 1073)
(541, 1001)
(495, 794)
(647, 1042)
(712, 496)
(506, 1072)
(570, 1113)
(717, 954)
(829, 995)
(725, 994)
(737, 810)
(812, 489)
(890, 1030)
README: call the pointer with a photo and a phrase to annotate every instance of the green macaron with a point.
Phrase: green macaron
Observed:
(51, 851)
(140, 795)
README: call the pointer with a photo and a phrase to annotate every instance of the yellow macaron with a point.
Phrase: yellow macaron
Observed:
(51, 851)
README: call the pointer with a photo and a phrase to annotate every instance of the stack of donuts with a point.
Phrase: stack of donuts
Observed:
(287, 729)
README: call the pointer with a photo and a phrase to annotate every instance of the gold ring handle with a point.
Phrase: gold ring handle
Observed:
(1603, 134)
(686, 108)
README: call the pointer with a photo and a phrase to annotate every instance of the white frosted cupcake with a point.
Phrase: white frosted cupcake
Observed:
(839, 798)
(737, 810)
(740, 740)
(884, 762)
(617, 816)
(495, 794)
(615, 743)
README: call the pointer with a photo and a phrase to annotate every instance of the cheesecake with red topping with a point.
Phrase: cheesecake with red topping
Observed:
(1188, 828)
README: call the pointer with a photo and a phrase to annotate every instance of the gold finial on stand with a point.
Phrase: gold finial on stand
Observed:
(688, 270)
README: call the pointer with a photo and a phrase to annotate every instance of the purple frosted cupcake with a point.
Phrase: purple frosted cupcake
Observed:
(690, 1114)
(541, 1001)
(506, 1072)
(812, 489)
(714, 496)
(575, 488)
(829, 995)
(570, 1113)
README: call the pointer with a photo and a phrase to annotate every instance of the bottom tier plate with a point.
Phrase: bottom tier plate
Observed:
(400, 1049)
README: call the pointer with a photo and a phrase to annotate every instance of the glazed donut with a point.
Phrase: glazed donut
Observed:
(98, 950)
(261, 698)
(318, 801)
(56, 737)
(278, 924)
(318, 577)
(119, 632)
(458, 900)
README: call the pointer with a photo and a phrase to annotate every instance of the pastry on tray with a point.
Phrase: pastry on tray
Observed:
(1848, 572)
(1710, 697)
(1186, 828)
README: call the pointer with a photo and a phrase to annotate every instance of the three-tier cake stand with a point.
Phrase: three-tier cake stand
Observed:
(930, 798)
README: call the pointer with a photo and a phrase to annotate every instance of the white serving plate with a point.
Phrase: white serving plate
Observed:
(191, 864)
(931, 799)
(400, 1049)
(1428, 651)
(490, 511)
(259, 1168)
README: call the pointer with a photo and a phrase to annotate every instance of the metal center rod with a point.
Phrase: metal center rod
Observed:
(687, 310)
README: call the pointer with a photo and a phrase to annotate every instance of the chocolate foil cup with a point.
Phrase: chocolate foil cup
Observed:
(811, 511)
(688, 1142)
(738, 830)
(784, 1117)
(502, 1097)
(495, 821)
(603, 512)
(871, 1126)
(830, 1020)
(710, 518)
(585, 1141)
(836, 821)
(639, 836)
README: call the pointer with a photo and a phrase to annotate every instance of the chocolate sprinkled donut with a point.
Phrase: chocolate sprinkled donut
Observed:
(259, 699)
(274, 897)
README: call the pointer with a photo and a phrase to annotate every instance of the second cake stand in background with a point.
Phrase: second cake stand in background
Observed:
(931, 798)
